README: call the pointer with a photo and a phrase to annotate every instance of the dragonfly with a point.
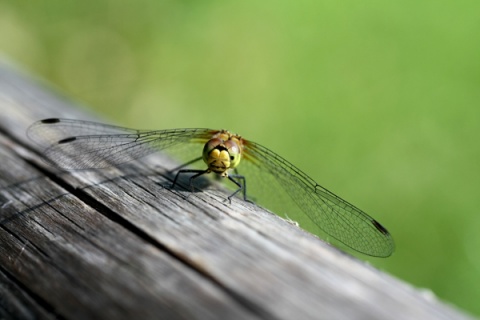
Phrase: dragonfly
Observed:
(77, 144)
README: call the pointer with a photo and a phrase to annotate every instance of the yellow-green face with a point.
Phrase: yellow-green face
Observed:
(221, 155)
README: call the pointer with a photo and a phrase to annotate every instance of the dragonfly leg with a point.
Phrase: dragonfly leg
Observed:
(241, 182)
(198, 174)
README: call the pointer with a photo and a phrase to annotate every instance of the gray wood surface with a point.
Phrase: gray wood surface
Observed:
(118, 244)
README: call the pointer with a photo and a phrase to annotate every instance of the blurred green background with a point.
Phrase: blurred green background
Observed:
(378, 101)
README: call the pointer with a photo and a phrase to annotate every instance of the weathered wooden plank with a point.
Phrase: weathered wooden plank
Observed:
(117, 243)
(16, 304)
(64, 250)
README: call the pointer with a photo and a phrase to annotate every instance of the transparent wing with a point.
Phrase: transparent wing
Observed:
(333, 215)
(76, 144)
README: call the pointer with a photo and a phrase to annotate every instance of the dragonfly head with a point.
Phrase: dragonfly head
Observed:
(221, 155)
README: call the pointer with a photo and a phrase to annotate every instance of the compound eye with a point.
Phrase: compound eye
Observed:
(234, 152)
(211, 144)
(209, 147)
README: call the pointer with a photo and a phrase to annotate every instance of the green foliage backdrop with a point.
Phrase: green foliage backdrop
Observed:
(377, 100)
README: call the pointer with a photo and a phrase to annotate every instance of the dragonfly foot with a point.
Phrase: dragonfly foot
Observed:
(228, 199)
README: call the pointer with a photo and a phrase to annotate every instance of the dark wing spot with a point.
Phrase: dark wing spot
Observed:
(67, 140)
(380, 227)
(231, 158)
(50, 120)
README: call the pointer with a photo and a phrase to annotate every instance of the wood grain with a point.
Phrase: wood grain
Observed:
(120, 244)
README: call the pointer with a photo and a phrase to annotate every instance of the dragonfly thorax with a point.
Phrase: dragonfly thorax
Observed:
(220, 155)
